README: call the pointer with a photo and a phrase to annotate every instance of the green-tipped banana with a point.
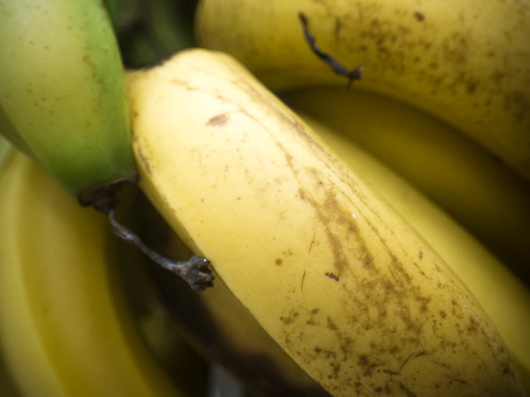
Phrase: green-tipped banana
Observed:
(62, 90)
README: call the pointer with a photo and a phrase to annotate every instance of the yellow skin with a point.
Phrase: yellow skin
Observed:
(484, 195)
(65, 327)
(467, 62)
(504, 298)
(329, 270)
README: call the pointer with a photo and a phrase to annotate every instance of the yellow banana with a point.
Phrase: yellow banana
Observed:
(65, 326)
(218, 325)
(464, 179)
(502, 295)
(62, 94)
(466, 62)
(339, 280)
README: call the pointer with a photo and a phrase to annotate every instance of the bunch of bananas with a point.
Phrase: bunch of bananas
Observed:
(368, 240)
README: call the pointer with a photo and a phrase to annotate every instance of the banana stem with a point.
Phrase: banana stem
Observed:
(104, 198)
(195, 271)
(352, 75)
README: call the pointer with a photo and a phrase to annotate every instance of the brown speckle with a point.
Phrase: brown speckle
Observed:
(420, 17)
(290, 319)
(278, 261)
(332, 276)
(218, 120)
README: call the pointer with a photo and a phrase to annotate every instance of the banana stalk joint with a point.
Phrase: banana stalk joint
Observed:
(104, 198)
(351, 74)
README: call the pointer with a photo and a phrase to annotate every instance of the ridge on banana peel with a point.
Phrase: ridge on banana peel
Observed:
(504, 298)
(65, 326)
(486, 196)
(62, 94)
(466, 62)
(338, 279)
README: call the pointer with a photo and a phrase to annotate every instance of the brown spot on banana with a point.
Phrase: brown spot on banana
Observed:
(218, 120)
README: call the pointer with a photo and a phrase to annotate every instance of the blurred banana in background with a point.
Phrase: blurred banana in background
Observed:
(66, 327)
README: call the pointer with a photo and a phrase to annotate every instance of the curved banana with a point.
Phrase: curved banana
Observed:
(502, 295)
(339, 280)
(62, 90)
(219, 326)
(466, 62)
(65, 328)
(490, 200)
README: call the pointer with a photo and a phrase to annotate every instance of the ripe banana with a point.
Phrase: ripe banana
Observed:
(219, 326)
(65, 328)
(502, 295)
(490, 200)
(466, 62)
(339, 280)
(62, 90)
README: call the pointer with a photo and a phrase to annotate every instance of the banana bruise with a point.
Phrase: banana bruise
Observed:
(338, 279)
(484, 195)
(218, 325)
(65, 327)
(465, 62)
(62, 94)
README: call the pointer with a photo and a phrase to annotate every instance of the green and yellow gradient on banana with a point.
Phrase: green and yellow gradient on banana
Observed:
(62, 90)
(331, 271)
(466, 62)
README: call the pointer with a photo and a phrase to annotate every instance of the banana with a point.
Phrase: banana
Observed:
(65, 326)
(488, 198)
(502, 295)
(219, 326)
(466, 62)
(62, 91)
(338, 279)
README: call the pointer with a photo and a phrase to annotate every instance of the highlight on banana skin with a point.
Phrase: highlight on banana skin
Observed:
(247, 198)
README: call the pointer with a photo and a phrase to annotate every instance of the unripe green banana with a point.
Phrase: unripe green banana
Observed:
(467, 62)
(486, 196)
(62, 90)
(335, 275)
